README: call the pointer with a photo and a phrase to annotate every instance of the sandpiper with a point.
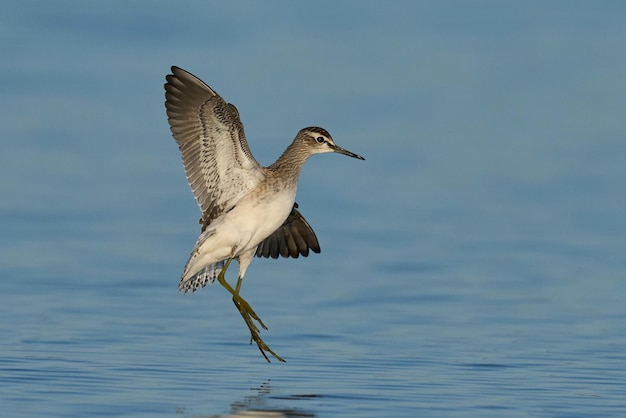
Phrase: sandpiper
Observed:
(247, 209)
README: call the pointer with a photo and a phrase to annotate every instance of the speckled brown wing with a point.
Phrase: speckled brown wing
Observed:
(219, 165)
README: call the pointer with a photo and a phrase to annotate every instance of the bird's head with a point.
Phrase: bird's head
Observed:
(318, 141)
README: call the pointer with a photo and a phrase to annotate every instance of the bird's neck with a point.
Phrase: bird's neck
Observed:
(290, 163)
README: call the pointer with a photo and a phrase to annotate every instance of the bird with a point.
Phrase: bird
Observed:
(247, 209)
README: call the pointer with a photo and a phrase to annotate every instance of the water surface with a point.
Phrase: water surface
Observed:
(473, 265)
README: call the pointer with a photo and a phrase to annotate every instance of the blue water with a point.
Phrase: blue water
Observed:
(472, 265)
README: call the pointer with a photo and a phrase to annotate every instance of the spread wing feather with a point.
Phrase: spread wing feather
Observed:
(219, 165)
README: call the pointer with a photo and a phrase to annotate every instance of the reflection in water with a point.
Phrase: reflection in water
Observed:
(257, 405)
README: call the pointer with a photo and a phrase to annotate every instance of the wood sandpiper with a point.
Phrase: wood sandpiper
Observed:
(247, 209)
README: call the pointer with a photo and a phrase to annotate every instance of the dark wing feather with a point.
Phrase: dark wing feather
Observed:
(294, 238)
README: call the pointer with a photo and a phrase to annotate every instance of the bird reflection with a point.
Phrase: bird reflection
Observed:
(259, 405)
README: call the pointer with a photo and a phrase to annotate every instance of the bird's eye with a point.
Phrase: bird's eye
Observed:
(320, 139)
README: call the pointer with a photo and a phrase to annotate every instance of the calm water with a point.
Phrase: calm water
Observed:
(473, 265)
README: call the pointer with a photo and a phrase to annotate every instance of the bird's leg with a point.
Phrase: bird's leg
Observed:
(240, 302)
(247, 313)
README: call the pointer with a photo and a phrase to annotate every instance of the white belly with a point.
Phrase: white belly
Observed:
(249, 222)
(240, 230)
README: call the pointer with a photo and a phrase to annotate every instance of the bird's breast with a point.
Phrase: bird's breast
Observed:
(256, 217)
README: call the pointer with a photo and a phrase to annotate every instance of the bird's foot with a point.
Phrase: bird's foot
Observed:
(249, 316)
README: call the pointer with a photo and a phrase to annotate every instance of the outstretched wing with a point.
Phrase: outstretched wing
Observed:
(294, 238)
(219, 165)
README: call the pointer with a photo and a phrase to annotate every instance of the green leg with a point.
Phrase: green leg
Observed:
(247, 313)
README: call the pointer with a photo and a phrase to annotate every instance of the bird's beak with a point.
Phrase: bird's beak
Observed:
(340, 150)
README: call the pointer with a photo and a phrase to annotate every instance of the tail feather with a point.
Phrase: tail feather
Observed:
(206, 274)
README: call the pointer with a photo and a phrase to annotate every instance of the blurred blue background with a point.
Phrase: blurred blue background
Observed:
(473, 265)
